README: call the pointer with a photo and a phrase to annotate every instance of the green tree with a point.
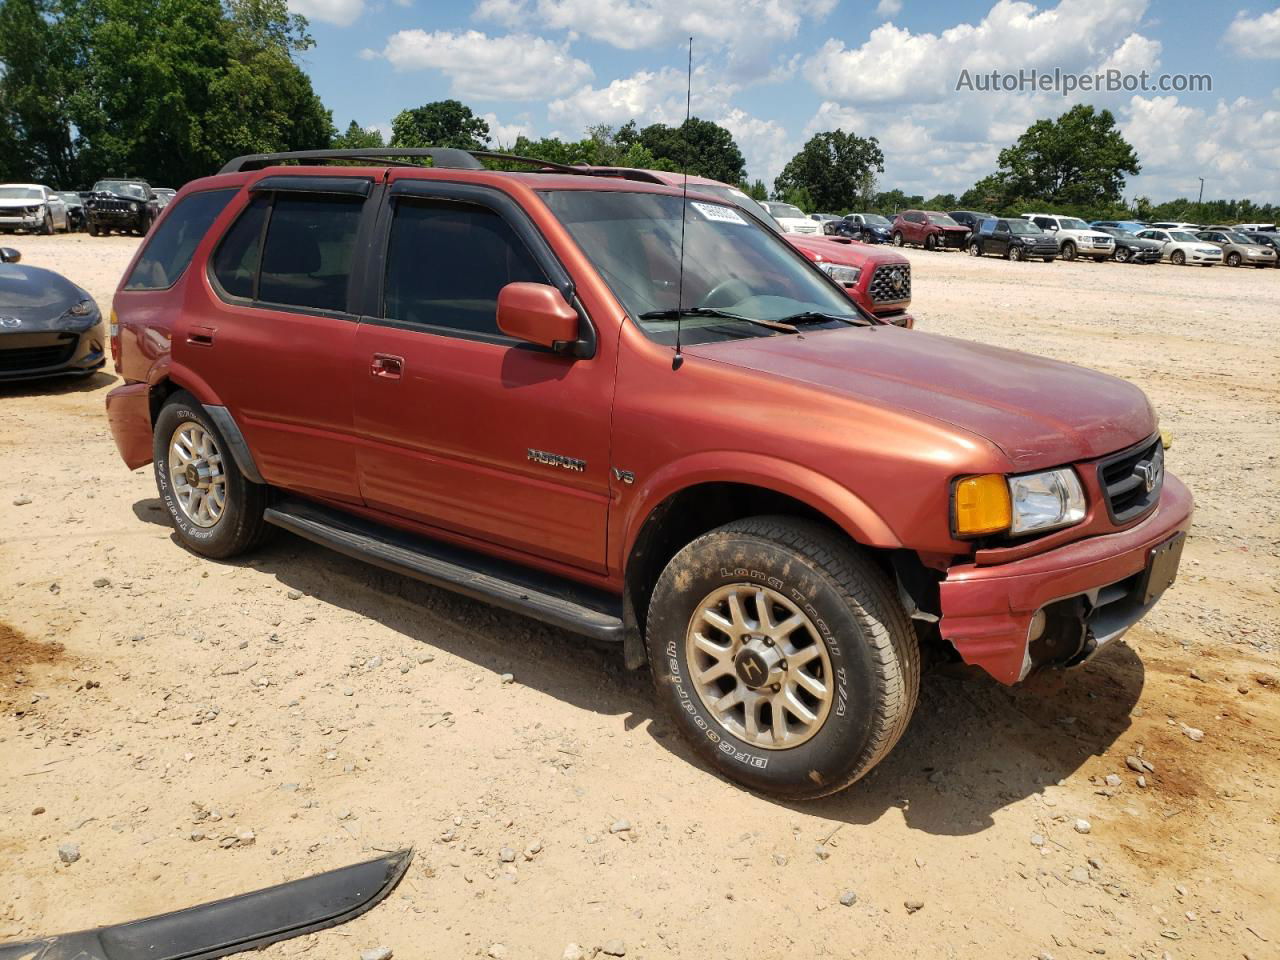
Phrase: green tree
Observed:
(708, 148)
(1079, 158)
(441, 123)
(756, 190)
(833, 167)
(943, 202)
(891, 201)
(35, 86)
(990, 194)
(357, 137)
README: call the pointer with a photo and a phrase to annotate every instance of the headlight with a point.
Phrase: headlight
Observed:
(840, 273)
(133, 206)
(1031, 503)
(82, 309)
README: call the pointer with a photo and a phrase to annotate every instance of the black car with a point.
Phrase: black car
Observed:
(867, 227)
(971, 219)
(1013, 239)
(1265, 238)
(1131, 248)
(75, 210)
(48, 325)
(129, 206)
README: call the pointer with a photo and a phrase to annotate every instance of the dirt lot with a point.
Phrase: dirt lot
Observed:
(154, 704)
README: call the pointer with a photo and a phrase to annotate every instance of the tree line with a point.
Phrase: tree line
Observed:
(169, 90)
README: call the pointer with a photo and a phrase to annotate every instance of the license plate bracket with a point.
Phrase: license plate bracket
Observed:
(1162, 567)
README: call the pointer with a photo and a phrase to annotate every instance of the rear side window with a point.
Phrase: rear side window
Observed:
(171, 245)
(305, 258)
(446, 263)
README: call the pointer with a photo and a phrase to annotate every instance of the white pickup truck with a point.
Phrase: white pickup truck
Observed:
(1075, 237)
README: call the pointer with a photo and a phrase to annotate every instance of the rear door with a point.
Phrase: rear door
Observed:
(273, 333)
(999, 242)
(464, 428)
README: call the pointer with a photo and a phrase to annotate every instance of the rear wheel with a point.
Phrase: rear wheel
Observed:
(1068, 251)
(783, 654)
(1177, 258)
(215, 510)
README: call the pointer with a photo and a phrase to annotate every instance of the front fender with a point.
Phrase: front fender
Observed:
(830, 498)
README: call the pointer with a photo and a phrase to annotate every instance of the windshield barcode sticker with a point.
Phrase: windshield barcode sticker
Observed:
(713, 211)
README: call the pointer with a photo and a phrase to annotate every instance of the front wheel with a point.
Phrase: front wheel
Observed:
(1068, 251)
(1178, 258)
(1233, 259)
(1123, 254)
(783, 655)
(215, 510)
(1015, 254)
(974, 250)
(931, 242)
(897, 238)
(46, 228)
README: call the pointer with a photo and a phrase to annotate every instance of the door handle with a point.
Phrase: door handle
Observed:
(200, 336)
(386, 366)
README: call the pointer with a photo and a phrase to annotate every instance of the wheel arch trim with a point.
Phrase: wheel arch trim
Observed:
(230, 431)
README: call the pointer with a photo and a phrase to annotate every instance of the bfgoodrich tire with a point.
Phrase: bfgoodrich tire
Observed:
(215, 510)
(783, 655)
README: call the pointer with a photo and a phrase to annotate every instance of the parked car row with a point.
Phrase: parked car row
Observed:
(125, 205)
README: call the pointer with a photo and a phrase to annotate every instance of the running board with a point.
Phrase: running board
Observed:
(559, 602)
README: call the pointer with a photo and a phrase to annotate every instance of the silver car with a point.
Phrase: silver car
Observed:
(32, 207)
(1237, 249)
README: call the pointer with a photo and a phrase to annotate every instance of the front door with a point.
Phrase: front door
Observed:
(467, 429)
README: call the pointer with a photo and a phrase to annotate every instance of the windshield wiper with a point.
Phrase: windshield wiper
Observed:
(716, 312)
(816, 316)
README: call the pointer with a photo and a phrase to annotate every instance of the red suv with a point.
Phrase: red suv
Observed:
(642, 418)
(929, 229)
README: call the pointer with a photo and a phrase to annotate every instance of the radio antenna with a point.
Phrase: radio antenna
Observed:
(678, 359)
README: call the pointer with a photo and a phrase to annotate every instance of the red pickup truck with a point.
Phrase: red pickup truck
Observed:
(641, 417)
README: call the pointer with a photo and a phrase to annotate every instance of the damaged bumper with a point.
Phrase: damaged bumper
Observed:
(1060, 606)
(246, 922)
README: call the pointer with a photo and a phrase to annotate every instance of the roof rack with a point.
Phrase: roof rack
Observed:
(451, 158)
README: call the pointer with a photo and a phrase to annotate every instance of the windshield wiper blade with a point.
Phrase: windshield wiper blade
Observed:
(817, 316)
(716, 312)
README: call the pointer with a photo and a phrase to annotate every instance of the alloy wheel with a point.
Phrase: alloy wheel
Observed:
(196, 475)
(759, 665)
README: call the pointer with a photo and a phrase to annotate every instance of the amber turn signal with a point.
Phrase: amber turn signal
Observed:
(982, 505)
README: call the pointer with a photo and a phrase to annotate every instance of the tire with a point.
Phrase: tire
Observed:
(1178, 258)
(1050, 259)
(1015, 254)
(1123, 255)
(46, 228)
(1068, 251)
(849, 616)
(931, 243)
(897, 238)
(1233, 259)
(975, 250)
(238, 525)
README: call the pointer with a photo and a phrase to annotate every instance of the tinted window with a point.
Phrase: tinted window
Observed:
(235, 263)
(1044, 222)
(306, 261)
(446, 263)
(172, 243)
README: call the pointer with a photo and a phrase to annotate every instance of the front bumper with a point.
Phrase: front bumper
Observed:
(1195, 257)
(32, 356)
(1258, 260)
(22, 221)
(987, 612)
(1144, 256)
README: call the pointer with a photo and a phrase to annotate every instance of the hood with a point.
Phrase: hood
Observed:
(38, 299)
(842, 250)
(958, 228)
(1041, 413)
(1142, 243)
(10, 204)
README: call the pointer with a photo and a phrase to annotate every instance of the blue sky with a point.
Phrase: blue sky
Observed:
(777, 71)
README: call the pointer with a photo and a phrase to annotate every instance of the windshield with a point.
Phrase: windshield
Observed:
(69, 196)
(1023, 226)
(122, 188)
(1238, 237)
(1071, 223)
(1182, 236)
(20, 193)
(734, 195)
(786, 210)
(942, 220)
(730, 264)
(875, 220)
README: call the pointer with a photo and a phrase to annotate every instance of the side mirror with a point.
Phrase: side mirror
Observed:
(9, 255)
(537, 313)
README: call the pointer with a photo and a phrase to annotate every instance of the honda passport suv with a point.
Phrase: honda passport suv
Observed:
(643, 417)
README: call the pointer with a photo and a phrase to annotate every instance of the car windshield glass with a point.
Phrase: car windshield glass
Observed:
(875, 220)
(786, 210)
(1023, 226)
(70, 197)
(19, 193)
(731, 266)
(734, 195)
(1238, 238)
(1071, 223)
(1182, 237)
(121, 188)
(942, 220)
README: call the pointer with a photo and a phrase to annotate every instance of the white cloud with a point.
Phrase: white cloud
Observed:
(765, 144)
(1136, 54)
(1257, 38)
(511, 67)
(504, 135)
(646, 96)
(341, 13)
(887, 9)
(896, 65)
(508, 13)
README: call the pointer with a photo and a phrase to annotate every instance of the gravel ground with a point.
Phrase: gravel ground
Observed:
(181, 729)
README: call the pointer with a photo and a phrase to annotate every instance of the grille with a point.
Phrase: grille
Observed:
(113, 206)
(952, 239)
(17, 359)
(1131, 480)
(890, 283)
